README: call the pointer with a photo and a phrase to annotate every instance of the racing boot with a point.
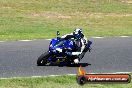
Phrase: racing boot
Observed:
(76, 61)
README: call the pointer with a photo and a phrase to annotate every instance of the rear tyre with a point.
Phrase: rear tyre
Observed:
(42, 60)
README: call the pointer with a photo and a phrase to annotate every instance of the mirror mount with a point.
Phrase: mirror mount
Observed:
(57, 34)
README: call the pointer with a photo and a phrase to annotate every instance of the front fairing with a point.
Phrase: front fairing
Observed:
(60, 44)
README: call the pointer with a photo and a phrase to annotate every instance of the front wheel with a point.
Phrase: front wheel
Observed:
(42, 60)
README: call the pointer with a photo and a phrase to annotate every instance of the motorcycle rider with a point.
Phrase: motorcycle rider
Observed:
(80, 42)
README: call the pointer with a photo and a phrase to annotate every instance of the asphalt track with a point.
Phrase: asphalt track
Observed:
(18, 58)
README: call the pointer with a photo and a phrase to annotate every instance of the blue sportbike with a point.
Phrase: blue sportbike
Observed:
(58, 49)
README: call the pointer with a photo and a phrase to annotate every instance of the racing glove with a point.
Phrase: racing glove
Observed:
(68, 53)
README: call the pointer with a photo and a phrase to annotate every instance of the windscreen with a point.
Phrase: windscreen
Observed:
(59, 44)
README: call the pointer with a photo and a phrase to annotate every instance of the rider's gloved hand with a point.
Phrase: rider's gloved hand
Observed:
(69, 53)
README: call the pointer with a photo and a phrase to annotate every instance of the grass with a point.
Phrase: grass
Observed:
(38, 19)
(53, 82)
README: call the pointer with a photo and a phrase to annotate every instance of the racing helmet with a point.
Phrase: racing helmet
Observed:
(78, 33)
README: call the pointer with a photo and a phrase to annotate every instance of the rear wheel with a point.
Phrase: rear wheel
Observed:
(42, 60)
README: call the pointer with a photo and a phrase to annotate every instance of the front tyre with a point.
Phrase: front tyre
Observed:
(42, 60)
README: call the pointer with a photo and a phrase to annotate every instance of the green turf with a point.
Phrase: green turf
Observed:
(37, 19)
(54, 82)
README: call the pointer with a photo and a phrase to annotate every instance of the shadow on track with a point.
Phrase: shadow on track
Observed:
(70, 65)
(76, 65)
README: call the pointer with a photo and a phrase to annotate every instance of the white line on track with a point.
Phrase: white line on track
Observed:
(66, 75)
(72, 74)
(39, 76)
(104, 37)
(124, 36)
(55, 75)
(48, 39)
(124, 72)
(36, 76)
(25, 40)
(97, 37)
(51, 39)
(2, 41)
(91, 37)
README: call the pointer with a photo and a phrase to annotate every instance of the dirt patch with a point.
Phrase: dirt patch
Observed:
(117, 15)
(100, 15)
(78, 15)
(51, 15)
(127, 1)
